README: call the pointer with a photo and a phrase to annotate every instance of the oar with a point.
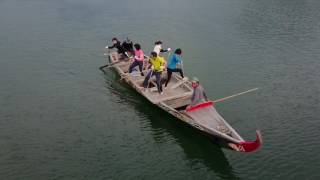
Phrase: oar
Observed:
(182, 69)
(169, 53)
(109, 65)
(107, 53)
(235, 95)
(151, 70)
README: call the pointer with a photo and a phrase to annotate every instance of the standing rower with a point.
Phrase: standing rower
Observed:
(158, 48)
(121, 51)
(128, 47)
(138, 59)
(158, 63)
(172, 65)
(119, 55)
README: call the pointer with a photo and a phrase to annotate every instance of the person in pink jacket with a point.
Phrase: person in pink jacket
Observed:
(138, 59)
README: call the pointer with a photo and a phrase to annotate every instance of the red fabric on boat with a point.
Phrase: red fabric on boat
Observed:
(207, 116)
(200, 106)
(249, 146)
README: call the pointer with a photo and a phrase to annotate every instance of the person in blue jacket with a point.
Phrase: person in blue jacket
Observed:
(172, 65)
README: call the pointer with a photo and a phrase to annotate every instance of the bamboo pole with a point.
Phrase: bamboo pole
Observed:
(235, 95)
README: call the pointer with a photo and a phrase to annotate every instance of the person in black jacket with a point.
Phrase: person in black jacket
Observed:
(117, 44)
(128, 47)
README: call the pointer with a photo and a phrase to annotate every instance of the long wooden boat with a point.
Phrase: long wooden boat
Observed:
(175, 99)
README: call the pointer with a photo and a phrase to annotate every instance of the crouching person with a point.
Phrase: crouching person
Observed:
(198, 95)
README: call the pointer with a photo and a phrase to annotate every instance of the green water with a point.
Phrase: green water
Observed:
(61, 118)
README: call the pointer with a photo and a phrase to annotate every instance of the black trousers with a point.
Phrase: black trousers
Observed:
(158, 79)
(134, 64)
(170, 71)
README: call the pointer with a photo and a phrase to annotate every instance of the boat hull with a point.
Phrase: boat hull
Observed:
(234, 142)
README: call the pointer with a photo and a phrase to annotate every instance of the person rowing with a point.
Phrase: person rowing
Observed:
(157, 66)
(138, 59)
(158, 48)
(128, 47)
(173, 61)
(198, 95)
(120, 55)
(120, 50)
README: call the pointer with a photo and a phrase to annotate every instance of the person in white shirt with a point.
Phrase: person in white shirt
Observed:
(158, 48)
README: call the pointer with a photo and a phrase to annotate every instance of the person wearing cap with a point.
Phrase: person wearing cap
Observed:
(117, 44)
(158, 48)
(158, 63)
(198, 95)
(172, 65)
(138, 59)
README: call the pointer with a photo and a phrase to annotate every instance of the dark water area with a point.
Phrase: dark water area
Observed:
(61, 118)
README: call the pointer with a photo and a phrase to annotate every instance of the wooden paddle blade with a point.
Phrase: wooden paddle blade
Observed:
(200, 106)
(249, 146)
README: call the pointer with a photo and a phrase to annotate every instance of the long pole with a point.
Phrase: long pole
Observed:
(151, 72)
(235, 95)
(101, 67)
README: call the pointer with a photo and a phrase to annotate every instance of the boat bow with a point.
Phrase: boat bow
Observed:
(206, 116)
(248, 146)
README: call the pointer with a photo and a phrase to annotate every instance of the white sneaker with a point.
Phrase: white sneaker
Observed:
(185, 78)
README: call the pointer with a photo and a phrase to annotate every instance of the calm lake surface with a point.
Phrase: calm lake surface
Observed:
(62, 118)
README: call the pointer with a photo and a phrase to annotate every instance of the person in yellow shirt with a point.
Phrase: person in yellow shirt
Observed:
(157, 66)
